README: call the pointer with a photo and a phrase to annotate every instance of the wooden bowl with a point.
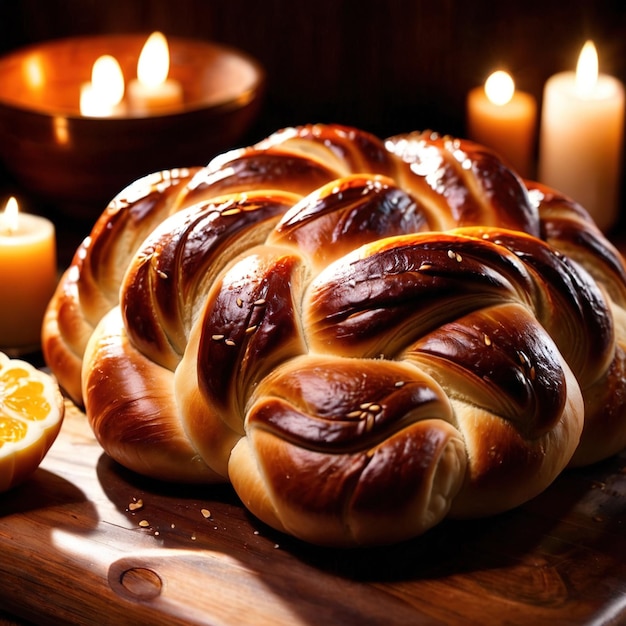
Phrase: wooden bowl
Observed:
(74, 161)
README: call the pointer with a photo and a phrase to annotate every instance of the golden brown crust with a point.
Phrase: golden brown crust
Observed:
(138, 423)
(347, 447)
(90, 287)
(363, 336)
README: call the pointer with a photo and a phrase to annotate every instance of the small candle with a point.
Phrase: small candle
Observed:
(153, 92)
(581, 137)
(102, 97)
(28, 277)
(504, 119)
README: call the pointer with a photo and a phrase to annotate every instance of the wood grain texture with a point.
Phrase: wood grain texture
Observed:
(75, 551)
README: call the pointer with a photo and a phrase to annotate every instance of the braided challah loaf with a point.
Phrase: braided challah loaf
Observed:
(363, 337)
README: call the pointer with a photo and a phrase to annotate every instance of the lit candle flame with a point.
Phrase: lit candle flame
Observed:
(9, 221)
(106, 88)
(154, 61)
(587, 70)
(499, 88)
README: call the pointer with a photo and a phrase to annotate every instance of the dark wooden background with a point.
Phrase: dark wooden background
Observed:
(385, 66)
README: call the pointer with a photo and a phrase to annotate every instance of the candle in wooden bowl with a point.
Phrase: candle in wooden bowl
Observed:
(79, 162)
(103, 95)
(582, 129)
(152, 92)
(28, 277)
(504, 119)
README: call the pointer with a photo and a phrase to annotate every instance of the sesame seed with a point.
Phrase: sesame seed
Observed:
(229, 342)
(487, 340)
(458, 257)
(232, 211)
(374, 408)
(353, 414)
(399, 383)
(239, 302)
(206, 513)
(217, 337)
(259, 302)
(251, 329)
(424, 266)
(161, 274)
(451, 254)
(144, 523)
(365, 405)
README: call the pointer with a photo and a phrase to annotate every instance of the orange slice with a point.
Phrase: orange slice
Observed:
(31, 413)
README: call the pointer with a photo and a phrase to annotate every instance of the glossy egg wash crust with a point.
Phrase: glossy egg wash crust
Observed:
(362, 336)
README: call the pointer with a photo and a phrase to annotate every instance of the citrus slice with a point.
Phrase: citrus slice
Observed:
(31, 413)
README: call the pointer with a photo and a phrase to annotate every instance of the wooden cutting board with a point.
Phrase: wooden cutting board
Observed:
(85, 542)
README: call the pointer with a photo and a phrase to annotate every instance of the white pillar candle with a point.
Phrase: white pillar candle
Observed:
(153, 92)
(581, 137)
(504, 119)
(28, 277)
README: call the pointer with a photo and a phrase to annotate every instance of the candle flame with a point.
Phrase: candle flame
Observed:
(10, 220)
(499, 88)
(154, 61)
(106, 88)
(107, 79)
(587, 70)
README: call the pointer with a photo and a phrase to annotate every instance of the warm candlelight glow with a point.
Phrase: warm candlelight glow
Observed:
(587, 71)
(154, 61)
(35, 75)
(10, 221)
(106, 90)
(61, 130)
(499, 88)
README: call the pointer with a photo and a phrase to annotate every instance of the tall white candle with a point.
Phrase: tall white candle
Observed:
(581, 137)
(504, 119)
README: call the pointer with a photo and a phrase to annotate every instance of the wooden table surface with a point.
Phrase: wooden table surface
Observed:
(85, 542)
